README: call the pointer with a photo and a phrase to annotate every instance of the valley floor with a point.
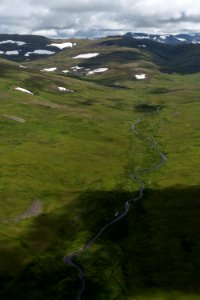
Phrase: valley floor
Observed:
(65, 171)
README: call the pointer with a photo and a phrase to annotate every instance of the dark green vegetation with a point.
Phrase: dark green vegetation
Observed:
(65, 165)
(145, 107)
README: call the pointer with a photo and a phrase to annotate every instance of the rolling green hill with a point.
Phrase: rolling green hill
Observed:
(66, 161)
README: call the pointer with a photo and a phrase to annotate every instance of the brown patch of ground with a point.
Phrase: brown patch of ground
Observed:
(32, 211)
(15, 118)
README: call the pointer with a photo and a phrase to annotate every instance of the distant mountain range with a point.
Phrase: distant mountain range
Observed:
(169, 53)
(28, 47)
(168, 38)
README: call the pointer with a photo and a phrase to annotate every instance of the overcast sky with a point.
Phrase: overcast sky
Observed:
(65, 18)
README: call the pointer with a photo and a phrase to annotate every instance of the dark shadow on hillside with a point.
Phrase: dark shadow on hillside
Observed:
(121, 57)
(156, 247)
(148, 107)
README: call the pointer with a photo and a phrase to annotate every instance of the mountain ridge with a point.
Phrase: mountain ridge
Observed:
(171, 39)
(25, 47)
(17, 47)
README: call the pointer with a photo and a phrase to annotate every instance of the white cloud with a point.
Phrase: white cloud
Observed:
(46, 32)
(66, 17)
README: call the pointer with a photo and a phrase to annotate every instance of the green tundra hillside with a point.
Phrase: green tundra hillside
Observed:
(107, 128)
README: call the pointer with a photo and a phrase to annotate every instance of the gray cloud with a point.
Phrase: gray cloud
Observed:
(65, 18)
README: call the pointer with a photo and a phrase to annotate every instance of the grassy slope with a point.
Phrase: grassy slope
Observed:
(74, 153)
(122, 62)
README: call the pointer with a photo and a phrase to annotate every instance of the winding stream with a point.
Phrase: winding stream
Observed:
(153, 145)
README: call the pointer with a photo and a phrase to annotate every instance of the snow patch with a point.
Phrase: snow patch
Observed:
(140, 76)
(19, 43)
(86, 55)
(49, 69)
(63, 45)
(99, 70)
(23, 90)
(142, 46)
(76, 68)
(65, 71)
(181, 40)
(1, 52)
(63, 89)
(163, 37)
(40, 52)
(14, 52)
(141, 37)
(195, 42)
(21, 66)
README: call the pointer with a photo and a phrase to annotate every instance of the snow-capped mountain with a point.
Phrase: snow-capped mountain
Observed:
(168, 38)
(25, 47)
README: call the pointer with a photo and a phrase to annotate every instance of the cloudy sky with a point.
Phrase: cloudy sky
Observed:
(65, 18)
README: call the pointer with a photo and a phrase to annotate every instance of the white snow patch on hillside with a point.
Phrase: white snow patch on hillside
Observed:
(19, 43)
(23, 90)
(76, 68)
(181, 40)
(86, 55)
(63, 89)
(140, 37)
(63, 45)
(21, 66)
(13, 52)
(40, 52)
(1, 52)
(163, 37)
(65, 71)
(140, 76)
(49, 69)
(142, 46)
(195, 42)
(99, 70)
